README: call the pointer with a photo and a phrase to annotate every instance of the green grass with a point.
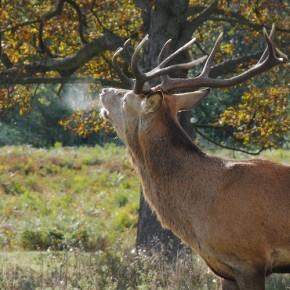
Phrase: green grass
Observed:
(66, 197)
(278, 155)
(68, 221)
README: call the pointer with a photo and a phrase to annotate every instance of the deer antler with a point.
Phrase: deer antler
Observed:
(271, 57)
(159, 70)
(123, 77)
(141, 77)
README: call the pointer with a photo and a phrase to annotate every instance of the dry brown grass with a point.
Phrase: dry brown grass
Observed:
(113, 270)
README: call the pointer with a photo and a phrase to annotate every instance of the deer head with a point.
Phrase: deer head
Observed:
(143, 105)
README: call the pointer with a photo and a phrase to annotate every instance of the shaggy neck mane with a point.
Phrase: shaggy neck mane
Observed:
(170, 135)
(161, 156)
(162, 151)
(179, 138)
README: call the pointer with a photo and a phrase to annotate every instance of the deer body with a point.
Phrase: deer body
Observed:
(235, 214)
(201, 200)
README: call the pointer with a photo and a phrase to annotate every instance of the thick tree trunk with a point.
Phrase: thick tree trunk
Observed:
(166, 19)
(152, 237)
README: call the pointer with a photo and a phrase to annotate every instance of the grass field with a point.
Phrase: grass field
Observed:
(68, 221)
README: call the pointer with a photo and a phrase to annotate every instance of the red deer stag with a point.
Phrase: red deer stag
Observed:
(234, 214)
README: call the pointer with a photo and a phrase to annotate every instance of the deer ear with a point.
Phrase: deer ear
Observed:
(152, 102)
(187, 101)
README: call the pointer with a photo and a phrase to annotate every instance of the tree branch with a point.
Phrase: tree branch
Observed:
(6, 82)
(3, 56)
(29, 73)
(233, 17)
(228, 147)
(237, 18)
(56, 12)
(67, 65)
(199, 46)
(19, 25)
(97, 17)
(44, 18)
(82, 20)
(205, 13)
(202, 17)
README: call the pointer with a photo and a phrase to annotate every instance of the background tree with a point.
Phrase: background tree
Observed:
(66, 43)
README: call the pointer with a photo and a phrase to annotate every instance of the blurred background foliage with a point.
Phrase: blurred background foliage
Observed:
(253, 116)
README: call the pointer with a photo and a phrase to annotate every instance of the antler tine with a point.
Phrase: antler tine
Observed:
(270, 57)
(163, 72)
(166, 70)
(161, 56)
(209, 61)
(271, 50)
(126, 46)
(126, 43)
(178, 51)
(270, 44)
(140, 77)
(160, 70)
(163, 51)
(123, 77)
(271, 36)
